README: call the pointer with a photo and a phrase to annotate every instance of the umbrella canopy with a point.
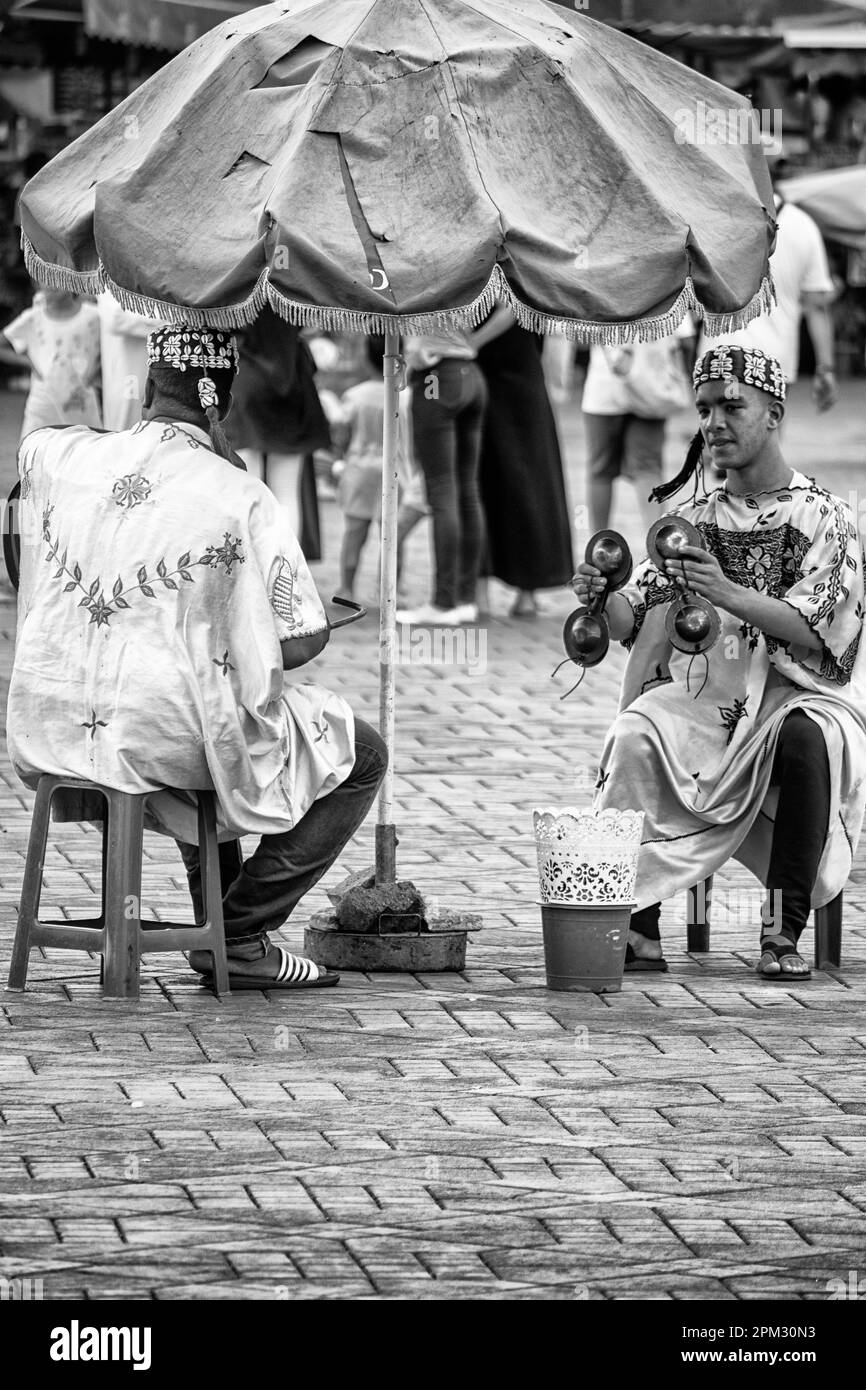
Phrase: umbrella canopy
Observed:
(369, 164)
(836, 198)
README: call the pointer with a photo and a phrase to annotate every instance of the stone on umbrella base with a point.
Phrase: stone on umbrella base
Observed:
(440, 945)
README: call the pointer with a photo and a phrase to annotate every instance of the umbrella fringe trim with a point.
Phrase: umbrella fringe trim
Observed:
(467, 316)
(362, 321)
(59, 277)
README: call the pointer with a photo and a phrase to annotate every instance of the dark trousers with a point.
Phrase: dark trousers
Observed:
(801, 771)
(448, 404)
(261, 892)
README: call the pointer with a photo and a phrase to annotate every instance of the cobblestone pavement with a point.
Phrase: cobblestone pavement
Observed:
(471, 1136)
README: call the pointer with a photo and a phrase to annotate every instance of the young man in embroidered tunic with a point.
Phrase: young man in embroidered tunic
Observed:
(767, 763)
(163, 596)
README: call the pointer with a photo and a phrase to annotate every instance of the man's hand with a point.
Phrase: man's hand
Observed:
(701, 572)
(825, 390)
(588, 583)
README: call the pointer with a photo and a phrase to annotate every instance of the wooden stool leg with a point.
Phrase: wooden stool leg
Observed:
(698, 915)
(123, 896)
(828, 934)
(31, 888)
(212, 889)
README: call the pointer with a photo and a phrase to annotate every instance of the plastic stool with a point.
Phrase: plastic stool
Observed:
(828, 925)
(119, 933)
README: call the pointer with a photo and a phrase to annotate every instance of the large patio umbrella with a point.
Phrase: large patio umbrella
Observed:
(396, 165)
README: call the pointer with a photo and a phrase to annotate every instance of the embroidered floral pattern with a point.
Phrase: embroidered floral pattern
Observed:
(102, 609)
(46, 521)
(223, 662)
(659, 677)
(94, 723)
(172, 431)
(655, 589)
(731, 716)
(770, 562)
(227, 554)
(284, 599)
(130, 490)
(26, 480)
(169, 432)
(759, 563)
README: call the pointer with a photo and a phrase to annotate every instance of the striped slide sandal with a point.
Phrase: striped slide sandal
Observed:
(292, 972)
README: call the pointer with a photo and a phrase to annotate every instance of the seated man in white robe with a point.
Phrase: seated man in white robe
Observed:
(766, 760)
(163, 599)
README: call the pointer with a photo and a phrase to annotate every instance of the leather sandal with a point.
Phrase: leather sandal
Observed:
(775, 950)
(651, 965)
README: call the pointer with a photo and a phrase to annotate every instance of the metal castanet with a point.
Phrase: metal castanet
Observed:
(667, 536)
(692, 623)
(586, 634)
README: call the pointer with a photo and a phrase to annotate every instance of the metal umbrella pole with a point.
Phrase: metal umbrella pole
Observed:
(386, 831)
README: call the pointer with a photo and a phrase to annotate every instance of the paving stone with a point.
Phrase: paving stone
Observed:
(438, 1137)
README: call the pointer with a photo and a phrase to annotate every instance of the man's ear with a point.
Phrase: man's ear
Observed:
(228, 406)
(147, 399)
(775, 413)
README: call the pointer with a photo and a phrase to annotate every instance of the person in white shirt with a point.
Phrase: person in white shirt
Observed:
(58, 338)
(163, 599)
(804, 289)
(360, 484)
(628, 394)
(123, 349)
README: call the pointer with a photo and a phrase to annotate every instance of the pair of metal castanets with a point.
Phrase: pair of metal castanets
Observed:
(692, 623)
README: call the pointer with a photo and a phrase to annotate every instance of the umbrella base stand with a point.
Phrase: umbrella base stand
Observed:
(386, 854)
(386, 926)
(429, 948)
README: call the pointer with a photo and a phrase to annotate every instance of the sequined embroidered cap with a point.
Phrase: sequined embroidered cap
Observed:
(750, 366)
(204, 349)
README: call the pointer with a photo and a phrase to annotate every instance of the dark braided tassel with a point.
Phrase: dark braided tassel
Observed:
(220, 442)
(693, 458)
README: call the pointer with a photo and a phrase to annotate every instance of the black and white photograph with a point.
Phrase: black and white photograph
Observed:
(433, 483)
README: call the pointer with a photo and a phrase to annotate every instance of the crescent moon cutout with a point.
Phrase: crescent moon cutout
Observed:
(383, 284)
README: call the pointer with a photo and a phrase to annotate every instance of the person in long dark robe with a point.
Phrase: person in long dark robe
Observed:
(276, 422)
(522, 484)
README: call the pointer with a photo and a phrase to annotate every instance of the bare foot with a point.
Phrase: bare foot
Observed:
(643, 948)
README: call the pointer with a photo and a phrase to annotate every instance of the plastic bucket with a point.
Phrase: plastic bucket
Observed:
(584, 946)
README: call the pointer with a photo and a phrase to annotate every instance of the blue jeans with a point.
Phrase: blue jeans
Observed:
(448, 404)
(261, 892)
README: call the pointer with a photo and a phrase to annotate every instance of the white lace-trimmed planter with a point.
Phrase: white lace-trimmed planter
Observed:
(587, 857)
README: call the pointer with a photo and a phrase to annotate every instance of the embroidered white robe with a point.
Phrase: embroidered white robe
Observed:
(157, 582)
(699, 764)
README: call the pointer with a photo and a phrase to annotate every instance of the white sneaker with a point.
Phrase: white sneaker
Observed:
(467, 612)
(428, 615)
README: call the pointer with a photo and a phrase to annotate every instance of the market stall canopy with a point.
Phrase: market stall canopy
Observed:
(758, 18)
(836, 198)
(378, 164)
(169, 24)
